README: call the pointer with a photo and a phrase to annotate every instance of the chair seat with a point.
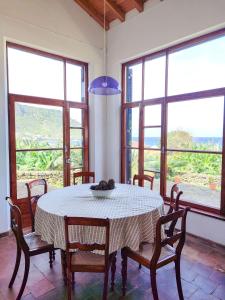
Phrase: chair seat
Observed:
(146, 250)
(34, 242)
(87, 258)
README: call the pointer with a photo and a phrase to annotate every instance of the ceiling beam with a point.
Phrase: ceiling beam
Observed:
(93, 13)
(115, 8)
(139, 5)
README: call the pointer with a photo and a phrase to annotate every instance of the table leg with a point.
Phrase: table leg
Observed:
(63, 262)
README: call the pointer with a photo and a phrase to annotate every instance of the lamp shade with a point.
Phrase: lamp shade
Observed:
(104, 85)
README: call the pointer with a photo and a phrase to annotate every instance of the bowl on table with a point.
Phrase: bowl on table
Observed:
(101, 194)
(103, 189)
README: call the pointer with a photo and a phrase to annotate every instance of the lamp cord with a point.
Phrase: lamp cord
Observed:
(105, 68)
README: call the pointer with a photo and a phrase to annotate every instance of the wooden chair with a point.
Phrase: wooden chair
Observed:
(173, 206)
(85, 176)
(31, 244)
(84, 260)
(32, 199)
(159, 254)
(142, 178)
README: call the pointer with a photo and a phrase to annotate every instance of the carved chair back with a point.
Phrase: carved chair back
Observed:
(142, 178)
(85, 177)
(33, 198)
(173, 206)
(84, 222)
(16, 224)
(178, 237)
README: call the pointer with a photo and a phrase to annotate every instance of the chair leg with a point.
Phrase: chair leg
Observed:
(105, 289)
(51, 258)
(139, 267)
(69, 286)
(63, 262)
(25, 276)
(113, 271)
(18, 257)
(178, 278)
(124, 272)
(154, 285)
(53, 254)
(73, 280)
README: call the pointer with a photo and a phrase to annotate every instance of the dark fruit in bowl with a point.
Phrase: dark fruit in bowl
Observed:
(93, 187)
(104, 185)
(111, 184)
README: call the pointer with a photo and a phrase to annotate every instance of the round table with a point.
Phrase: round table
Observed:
(133, 212)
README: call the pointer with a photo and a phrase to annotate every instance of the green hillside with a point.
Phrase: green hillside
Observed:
(40, 125)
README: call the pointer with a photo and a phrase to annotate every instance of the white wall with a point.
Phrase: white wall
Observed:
(61, 27)
(160, 25)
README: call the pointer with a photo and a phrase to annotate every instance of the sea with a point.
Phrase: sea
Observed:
(153, 141)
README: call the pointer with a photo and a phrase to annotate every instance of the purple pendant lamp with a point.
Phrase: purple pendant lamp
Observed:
(104, 85)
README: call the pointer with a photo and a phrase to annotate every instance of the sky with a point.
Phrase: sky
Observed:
(36, 75)
(194, 69)
(197, 68)
(40, 76)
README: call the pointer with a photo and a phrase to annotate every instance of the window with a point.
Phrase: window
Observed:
(48, 114)
(173, 118)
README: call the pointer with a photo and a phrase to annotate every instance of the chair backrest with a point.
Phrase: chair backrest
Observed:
(32, 198)
(142, 178)
(85, 177)
(16, 224)
(174, 205)
(177, 237)
(174, 198)
(92, 222)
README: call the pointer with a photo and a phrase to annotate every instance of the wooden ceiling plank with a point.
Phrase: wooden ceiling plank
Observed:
(116, 10)
(139, 5)
(93, 13)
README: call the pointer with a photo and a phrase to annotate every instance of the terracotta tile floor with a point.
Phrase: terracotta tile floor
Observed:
(203, 276)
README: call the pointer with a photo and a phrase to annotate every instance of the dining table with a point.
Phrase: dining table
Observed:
(133, 212)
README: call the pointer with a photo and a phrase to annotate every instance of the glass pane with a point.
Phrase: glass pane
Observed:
(152, 166)
(76, 158)
(152, 138)
(74, 84)
(152, 160)
(32, 165)
(79, 179)
(132, 127)
(134, 83)
(38, 126)
(155, 78)
(76, 138)
(201, 67)
(153, 115)
(190, 128)
(131, 164)
(76, 117)
(199, 175)
(35, 75)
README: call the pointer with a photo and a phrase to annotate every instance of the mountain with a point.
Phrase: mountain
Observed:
(42, 124)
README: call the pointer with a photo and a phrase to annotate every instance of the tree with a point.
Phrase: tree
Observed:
(179, 139)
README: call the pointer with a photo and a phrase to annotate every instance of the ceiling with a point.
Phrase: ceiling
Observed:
(115, 9)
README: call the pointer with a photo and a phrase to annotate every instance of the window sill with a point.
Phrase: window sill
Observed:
(202, 212)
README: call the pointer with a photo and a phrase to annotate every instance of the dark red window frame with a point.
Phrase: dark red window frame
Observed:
(164, 102)
(64, 104)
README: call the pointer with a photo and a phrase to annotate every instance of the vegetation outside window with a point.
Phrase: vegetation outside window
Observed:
(48, 118)
(178, 94)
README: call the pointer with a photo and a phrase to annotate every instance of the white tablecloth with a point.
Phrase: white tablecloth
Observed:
(133, 212)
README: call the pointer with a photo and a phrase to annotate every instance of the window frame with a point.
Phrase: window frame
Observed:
(64, 104)
(164, 101)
